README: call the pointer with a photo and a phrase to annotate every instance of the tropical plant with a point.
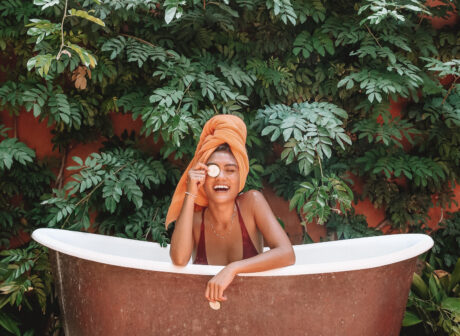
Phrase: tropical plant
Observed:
(446, 249)
(25, 276)
(349, 225)
(434, 303)
(25, 282)
(121, 186)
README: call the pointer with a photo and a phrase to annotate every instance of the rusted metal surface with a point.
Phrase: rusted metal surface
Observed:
(100, 299)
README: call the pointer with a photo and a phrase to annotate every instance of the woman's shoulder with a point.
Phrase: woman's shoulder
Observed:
(250, 197)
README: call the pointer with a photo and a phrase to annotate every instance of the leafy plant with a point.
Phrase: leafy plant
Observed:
(446, 249)
(114, 184)
(25, 281)
(317, 199)
(350, 225)
(434, 302)
(308, 130)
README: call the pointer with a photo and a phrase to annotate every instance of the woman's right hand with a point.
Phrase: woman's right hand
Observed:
(196, 177)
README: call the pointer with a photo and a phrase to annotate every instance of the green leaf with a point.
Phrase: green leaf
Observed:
(419, 286)
(434, 288)
(455, 277)
(46, 3)
(10, 325)
(78, 160)
(42, 63)
(451, 304)
(87, 16)
(86, 58)
(410, 319)
(169, 14)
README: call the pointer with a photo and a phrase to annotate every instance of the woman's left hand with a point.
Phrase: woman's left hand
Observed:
(217, 285)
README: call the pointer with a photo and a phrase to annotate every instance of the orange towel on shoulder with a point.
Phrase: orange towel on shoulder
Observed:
(220, 129)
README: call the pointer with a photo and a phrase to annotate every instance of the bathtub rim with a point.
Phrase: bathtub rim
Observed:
(424, 244)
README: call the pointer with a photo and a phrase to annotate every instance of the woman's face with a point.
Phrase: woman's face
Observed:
(225, 186)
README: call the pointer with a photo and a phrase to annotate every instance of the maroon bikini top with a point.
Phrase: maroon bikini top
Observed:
(249, 250)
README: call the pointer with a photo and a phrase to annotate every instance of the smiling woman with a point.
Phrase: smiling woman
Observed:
(217, 225)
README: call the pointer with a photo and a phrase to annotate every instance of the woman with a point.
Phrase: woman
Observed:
(214, 223)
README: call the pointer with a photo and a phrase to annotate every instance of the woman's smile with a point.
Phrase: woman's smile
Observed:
(221, 188)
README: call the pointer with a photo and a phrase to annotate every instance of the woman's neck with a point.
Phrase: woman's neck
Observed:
(221, 214)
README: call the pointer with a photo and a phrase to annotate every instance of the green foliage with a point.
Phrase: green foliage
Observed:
(383, 10)
(416, 168)
(284, 179)
(446, 249)
(283, 9)
(318, 199)
(255, 175)
(20, 174)
(12, 150)
(25, 279)
(434, 302)
(114, 183)
(307, 129)
(390, 132)
(443, 68)
(319, 42)
(349, 225)
(44, 101)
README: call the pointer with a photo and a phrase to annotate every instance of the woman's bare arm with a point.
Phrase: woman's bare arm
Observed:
(182, 238)
(281, 252)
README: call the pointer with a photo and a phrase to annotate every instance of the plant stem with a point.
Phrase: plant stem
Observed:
(180, 102)
(153, 220)
(62, 30)
(450, 89)
(59, 178)
(320, 167)
(15, 126)
(215, 109)
(370, 32)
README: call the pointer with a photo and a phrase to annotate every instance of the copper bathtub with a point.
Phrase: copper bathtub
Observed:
(115, 286)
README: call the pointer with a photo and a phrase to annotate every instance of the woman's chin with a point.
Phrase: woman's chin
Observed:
(221, 197)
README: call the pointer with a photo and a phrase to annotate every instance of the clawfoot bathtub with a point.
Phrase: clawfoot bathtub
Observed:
(115, 286)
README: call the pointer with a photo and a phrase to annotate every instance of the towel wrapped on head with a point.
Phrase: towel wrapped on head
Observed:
(220, 129)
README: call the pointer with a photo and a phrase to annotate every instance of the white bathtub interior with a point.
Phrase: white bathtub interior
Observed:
(323, 257)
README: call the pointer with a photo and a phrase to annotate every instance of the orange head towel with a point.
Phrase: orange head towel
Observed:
(220, 129)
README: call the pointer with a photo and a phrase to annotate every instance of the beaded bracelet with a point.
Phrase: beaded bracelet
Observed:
(187, 193)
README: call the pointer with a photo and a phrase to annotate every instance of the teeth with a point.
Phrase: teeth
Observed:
(221, 187)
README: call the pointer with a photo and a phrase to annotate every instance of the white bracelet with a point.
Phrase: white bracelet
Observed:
(187, 193)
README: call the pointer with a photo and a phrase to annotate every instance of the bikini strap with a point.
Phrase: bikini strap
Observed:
(249, 250)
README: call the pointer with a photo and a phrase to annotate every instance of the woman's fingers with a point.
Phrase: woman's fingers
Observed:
(207, 294)
(215, 292)
(201, 166)
(197, 176)
(220, 294)
(210, 291)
